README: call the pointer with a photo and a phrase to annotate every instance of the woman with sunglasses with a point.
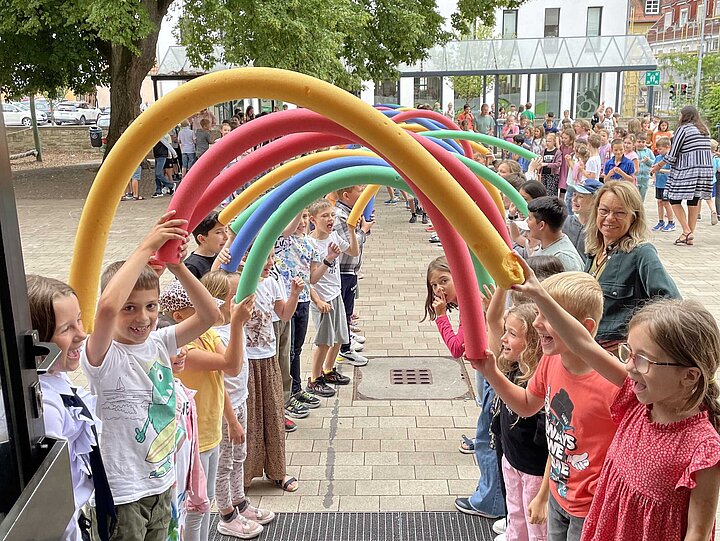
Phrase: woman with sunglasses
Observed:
(661, 475)
(622, 260)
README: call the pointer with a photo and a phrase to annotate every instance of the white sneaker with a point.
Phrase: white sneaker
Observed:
(356, 346)
(240, 527)
(499, 526)
(353, 358)
(255, 514)
(501, 537)
(360, 339)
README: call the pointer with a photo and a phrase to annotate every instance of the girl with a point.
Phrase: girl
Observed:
(662, 131)
(567, 146)
(68, 410)
(550, 172)
(517, 346)
(630, 154)
(265, 405)
(538, 142)
(487, 500)
(661, 476)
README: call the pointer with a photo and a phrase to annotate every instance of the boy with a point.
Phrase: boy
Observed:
(618, 167)
(662, 146)
(328, 311)
(187, 146)
(577, 399)
(646, 159)
(127, 363)
(519, 140)
(467, 115)
(349, 267)
(549, 124)
(210, 236)
(546, 216)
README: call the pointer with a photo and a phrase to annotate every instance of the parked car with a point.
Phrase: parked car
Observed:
(16, 115)
(41, 105)
(103, 121)
(75, 112)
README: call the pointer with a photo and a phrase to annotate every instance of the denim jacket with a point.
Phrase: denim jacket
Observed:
(628, 281)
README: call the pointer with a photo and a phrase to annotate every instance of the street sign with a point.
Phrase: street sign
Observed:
(652, 78)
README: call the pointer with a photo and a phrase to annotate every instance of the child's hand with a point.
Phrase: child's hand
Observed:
(440, 303)
(296, 286)
(366, 225)
(489, 290)
(323, 307)
(333, 251)
(537, 510)
(164, 230)
(156, 265)
(236, 433)
(243, 310)
(224, 255)
(183, 253)
(531, 287)
(484, 363)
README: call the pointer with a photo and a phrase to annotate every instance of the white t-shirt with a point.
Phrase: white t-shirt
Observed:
(136, 403)
(329, 285)
(183, 453)
(594, 164)
(260, 341)
(236, 386)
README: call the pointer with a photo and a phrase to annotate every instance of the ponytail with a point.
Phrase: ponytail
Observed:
(711, 403)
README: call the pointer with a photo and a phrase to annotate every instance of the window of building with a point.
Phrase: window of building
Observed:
(387, 91)
(668, 19)
(552, 22)
(652, 7)
(509, 28)
(547, 94)
(594, 21)
(587, 97)
(683, 16)
(508, 90)
(428, 90)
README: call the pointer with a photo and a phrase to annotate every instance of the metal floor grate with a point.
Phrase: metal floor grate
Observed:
(411, 376)
(419, 526)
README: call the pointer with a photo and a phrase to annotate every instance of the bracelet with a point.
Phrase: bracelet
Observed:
(327, 263)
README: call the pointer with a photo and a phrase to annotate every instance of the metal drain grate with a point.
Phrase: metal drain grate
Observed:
(420, 526)
(411, 376)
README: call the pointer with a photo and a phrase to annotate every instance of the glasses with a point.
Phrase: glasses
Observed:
(642, 363)
(604, 213)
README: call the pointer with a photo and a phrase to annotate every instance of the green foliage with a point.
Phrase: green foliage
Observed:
(340, 41)
(467, 87)
(683, 69)
(470, 11)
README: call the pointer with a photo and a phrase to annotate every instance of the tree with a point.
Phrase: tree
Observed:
(683, 70)
(469, 12)
(48, 45)
(467, 87)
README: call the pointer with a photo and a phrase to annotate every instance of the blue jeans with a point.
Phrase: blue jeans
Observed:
(562, 526)
(488, 497)
(188, 158)
(568, 199)
(160, 180)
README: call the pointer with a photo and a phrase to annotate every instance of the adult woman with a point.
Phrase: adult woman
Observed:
(622, 260)
(691, 171)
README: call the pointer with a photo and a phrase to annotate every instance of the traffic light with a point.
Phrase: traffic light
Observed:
(672, 92)
(683, 89)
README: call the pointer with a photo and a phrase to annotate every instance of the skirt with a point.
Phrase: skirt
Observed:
(265, 421)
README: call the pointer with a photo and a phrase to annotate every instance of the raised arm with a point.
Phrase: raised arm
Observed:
(494, 319)
(286, 309)
(206, 311)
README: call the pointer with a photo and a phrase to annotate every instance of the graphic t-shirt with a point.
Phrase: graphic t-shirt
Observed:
(293, 257)
(136, 404)
(236, 386)
(260, 342)
(329, 285)
(210, 397)
(578, 429)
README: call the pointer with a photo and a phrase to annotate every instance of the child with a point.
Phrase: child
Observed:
(328, 312)
(662, 131)
(68, 410)
(550, 172)
(646, 159)
(538, 142)
(203, 138)
(127, 364)
(510, 129)
(207, 360)
(577, 401)
(618, 167)
(661, 477)
(661, 176)
(630, 154)
(186, 137)
(546, 216)
(604, 151)
(210, 236)
(162, 152)
(549, 125)
(567, 147)
(487, 500)
(524, 448)
(265, 405)
(519, 140)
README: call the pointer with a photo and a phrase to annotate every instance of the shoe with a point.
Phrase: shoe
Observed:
(127, 197)
(354, 328)
(501, 537)
(699, 217)
(713, 218)
(320, 388)
(392, 201)
(499, 526)
(425, 220)
(356, 346)
(289, 425)
(463, 505)
(240, 527)
(659, 226)
(335, 378)
(670, 226)
(295, 409)
(357, 338)
(434, 239)
(256, 514)
(413, 218)
(307, 400)
(353, 358)
(158, 195)
(430, 229)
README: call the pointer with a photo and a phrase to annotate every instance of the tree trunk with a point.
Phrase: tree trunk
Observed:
(127, 73)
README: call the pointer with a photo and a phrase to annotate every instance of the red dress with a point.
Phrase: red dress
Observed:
(644, 488)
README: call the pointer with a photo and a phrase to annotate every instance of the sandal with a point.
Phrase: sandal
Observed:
(139, 198)
(685, 238)
(467, 447)
(285, 483)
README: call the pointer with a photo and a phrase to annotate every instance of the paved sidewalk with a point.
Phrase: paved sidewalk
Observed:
(364, 455)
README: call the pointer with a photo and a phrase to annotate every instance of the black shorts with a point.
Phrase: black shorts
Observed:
(659, 194)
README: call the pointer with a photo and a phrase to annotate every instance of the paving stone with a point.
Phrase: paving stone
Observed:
(462, 487)
(393, 472)
(381, 487)
(384, 434)
(439, 503)
(416, 458)
(414, 487)
(424, 434)
(397, 445)
(318, 503)
(321, 446)
(436, 472)
(366, 445)
(381, 459)
(367, 422)
(359, 503)
(434, 422)
(280, 504)
(402, 503)
(456, 458)
(343, 458)
(340, 487)
(305, 459)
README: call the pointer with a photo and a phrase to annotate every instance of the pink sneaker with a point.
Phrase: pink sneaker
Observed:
(240, 527)
(255, 514)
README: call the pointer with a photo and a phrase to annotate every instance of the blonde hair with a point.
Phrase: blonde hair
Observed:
(578, 293)
(630, 198)
(42, 293)
(318, 206)
(530, 356)
(217, 283)
(688, 334)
